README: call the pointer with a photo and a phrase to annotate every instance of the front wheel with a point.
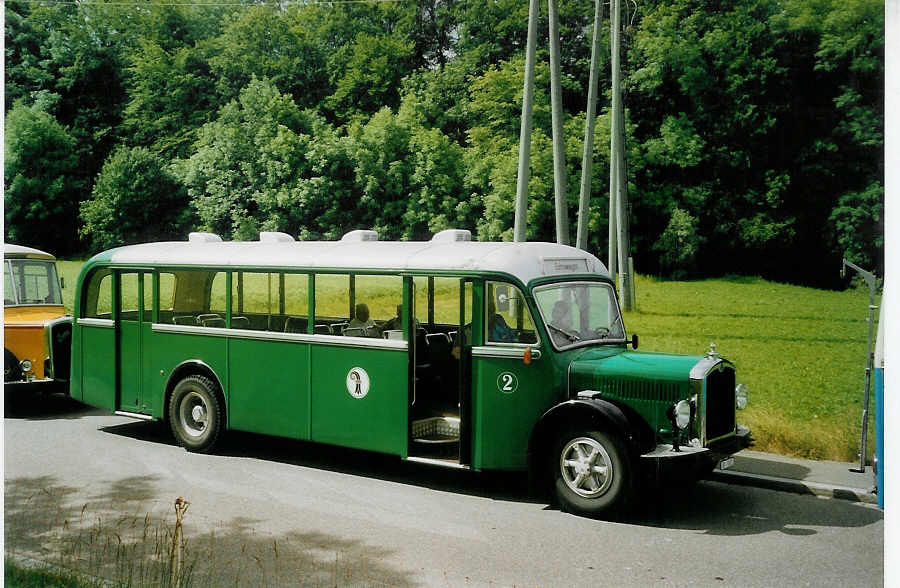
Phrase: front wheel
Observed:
(196, 414)
(592, 474)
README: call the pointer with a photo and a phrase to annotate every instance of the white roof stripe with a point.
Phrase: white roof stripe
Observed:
(525, 261)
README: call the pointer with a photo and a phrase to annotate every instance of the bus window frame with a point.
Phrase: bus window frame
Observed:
(488, 281)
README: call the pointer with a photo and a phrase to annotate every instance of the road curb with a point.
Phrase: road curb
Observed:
(795, 486)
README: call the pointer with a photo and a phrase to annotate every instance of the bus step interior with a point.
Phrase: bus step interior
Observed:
(438, 436)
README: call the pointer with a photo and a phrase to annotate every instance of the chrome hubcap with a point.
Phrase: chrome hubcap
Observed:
(194, 414)
(586, 467)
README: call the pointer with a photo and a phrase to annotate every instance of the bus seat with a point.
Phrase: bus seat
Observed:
(240, 322)
(437, 339)
(338, 328)
(295, 324)
(217, 322)
(184, 320)
(322, 330)
(439, 346)
(204, 317)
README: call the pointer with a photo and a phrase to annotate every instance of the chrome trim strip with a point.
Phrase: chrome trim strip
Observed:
(438, 462)
(27, 382)
(664, 451)
(699, 377)
(96, 322)
(706, 365)
(339, 340)
(134, 415)
(505, 352)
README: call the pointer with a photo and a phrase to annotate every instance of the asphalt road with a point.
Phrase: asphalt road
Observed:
(94, 492)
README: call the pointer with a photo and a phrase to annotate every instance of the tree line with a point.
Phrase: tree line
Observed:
(754, 128)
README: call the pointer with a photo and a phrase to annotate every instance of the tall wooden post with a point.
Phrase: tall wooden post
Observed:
(587, 158)
(524, 172)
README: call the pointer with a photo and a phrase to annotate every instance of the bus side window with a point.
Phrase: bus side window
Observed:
(256, 301)
(383, 296)
(9, 292)
(508, 319)
(98, 295)
(198, 298)
(332, 303)
(166, 297)
(296, 303)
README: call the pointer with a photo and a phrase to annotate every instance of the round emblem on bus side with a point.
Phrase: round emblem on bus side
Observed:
(358, 382)
(507, 382)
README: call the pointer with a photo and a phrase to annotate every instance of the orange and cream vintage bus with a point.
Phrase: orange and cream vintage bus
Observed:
(37, 333)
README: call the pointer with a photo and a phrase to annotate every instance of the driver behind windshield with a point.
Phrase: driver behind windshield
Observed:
(562, 319)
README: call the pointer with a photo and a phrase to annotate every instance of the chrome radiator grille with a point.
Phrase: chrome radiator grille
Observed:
(719, 402)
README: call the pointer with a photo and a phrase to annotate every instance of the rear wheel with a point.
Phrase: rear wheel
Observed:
(196, 414)
(592, 474)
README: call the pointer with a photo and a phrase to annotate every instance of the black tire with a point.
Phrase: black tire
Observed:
(11, 370)
(592, 474)
(196, 413)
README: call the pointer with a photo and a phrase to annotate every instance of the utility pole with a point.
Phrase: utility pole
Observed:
(617, 191)
(614, 140)
(587, 158)
(524, 173)
(559, 154)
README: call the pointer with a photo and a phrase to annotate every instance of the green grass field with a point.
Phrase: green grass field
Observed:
(800, 351)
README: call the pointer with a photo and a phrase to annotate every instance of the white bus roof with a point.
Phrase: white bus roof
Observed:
(525, 261)
(11, 251)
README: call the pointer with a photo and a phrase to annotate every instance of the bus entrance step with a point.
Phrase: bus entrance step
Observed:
(436, 430)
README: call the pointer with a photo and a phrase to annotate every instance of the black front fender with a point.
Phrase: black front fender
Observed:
(587, 414)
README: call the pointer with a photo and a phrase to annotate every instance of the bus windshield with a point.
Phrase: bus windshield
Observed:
(580, 312)
(30, 281)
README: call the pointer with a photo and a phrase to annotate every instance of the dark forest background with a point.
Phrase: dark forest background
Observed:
(754, 128)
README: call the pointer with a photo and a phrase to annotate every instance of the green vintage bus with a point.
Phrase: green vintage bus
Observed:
(482, 356)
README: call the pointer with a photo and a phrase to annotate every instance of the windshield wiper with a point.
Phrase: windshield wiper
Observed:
(569, 334)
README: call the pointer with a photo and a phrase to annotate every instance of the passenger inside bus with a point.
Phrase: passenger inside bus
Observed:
(362, 324)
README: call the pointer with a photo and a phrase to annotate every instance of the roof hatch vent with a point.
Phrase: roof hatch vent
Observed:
(204, 238)
(274, 237)
(452, 236)
(360, 235)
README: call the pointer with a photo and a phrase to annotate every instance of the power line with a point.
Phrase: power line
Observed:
(207, 4)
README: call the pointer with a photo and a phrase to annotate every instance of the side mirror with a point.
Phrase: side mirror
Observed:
(634, 341)
(502, 298)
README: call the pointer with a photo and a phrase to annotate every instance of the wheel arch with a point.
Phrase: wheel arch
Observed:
(191, 367)
(587, 414)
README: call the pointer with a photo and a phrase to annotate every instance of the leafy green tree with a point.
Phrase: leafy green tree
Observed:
(260, 41)
(381, 156)
(243, 158)
(40, 181)
(371, 78)
(134, 200)
(25, 70)
(170, 96)
(858, 226)
(708, 84)
(436, 198)
(679, 245)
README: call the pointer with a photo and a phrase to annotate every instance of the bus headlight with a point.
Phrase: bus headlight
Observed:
(681, 414)
(741, 396)
(26, 366)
